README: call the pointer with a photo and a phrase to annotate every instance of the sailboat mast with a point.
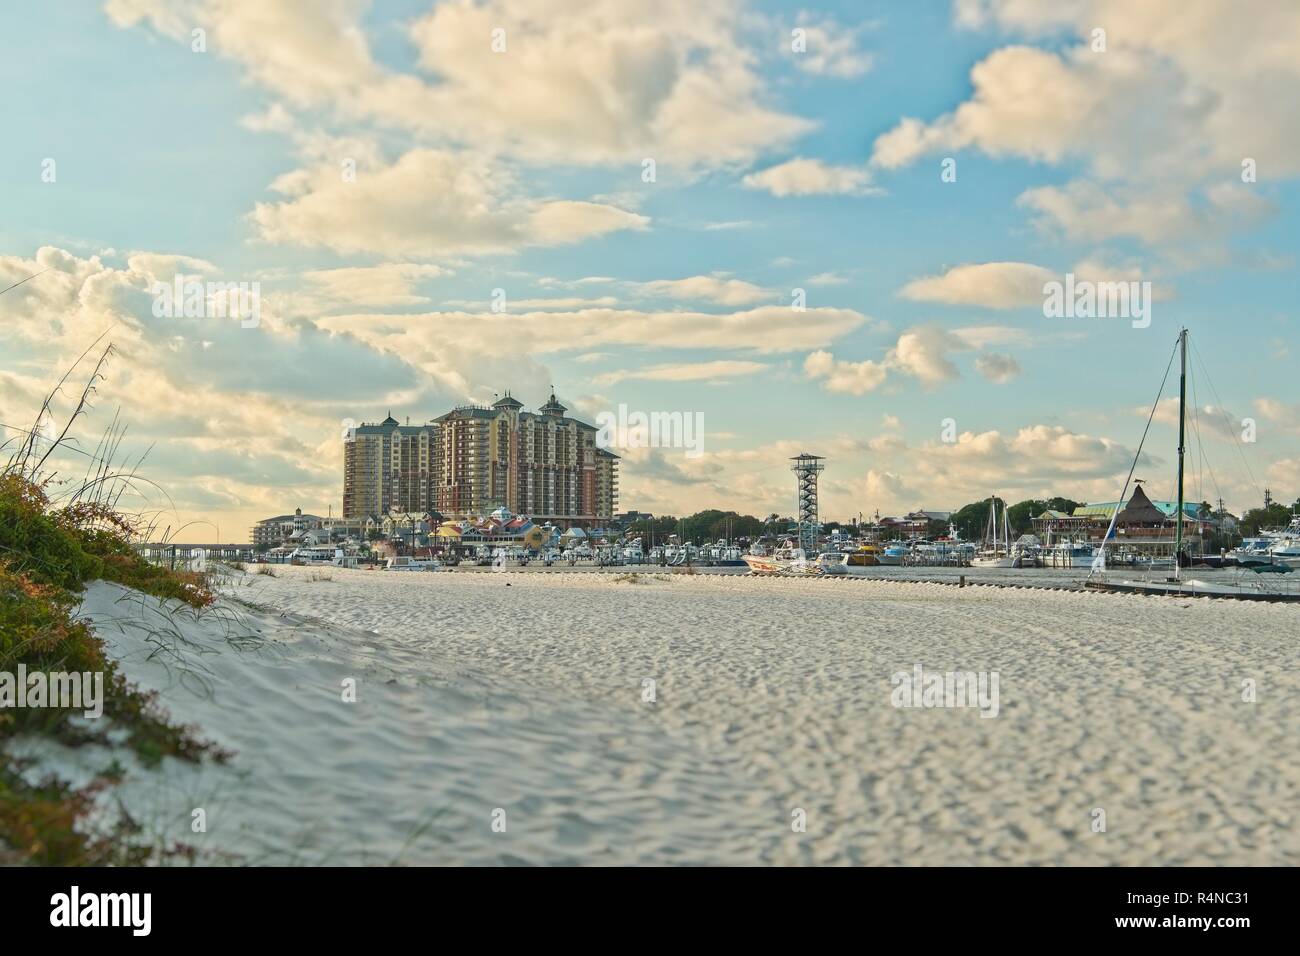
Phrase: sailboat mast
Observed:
(1182, 442)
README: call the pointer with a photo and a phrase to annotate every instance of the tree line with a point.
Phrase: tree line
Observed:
(971, 521)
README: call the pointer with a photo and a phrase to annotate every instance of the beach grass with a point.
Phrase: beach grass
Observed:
(49, 552)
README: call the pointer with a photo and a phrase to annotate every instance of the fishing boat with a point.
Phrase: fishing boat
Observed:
(1069, 554)
(1255, 583)
(866, 556)
(833, 562)
(785, 560)
(894, 555)
(1286, 548)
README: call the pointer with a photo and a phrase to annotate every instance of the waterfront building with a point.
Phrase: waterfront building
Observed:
(273, 531)
(1142, 525)
(477, 458)
(388, 467)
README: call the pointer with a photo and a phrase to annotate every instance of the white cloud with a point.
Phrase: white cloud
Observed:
(920, 353)
(993, 285)
(981, 336)
(1183, 93)
(848, 378)
(529, 305)
(830, 50)
(717, 289)
(812, 177)
(674, 80)
(428, 202)
(996, 367)
(715, 371)
(828, 278)
(392, 283)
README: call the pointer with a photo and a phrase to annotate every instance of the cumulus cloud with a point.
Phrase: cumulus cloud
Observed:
(392, 284)
(719, 289)
(921, 353)
(428, 202)
(674, 80)
(830, 49)
(812, 177)
(993, 285)
(996, 367)
(1161, 119)
(848, 378)
(235, 415)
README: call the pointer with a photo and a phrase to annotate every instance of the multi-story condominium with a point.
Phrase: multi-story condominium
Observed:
(542, 464)
(475, 459)
(388, 467)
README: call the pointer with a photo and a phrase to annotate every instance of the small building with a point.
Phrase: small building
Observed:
(270, 532)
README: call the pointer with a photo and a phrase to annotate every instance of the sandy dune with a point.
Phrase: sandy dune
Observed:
(772, 696)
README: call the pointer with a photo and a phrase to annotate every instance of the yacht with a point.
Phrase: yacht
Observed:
(782, 561)
(323, 556)
(1069, 554)
(404, 562)
(833, 562)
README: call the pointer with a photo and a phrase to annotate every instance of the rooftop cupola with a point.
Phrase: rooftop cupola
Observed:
(553, 407)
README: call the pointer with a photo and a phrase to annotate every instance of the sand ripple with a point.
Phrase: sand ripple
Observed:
(772, 696)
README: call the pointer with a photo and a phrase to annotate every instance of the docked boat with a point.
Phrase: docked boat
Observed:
(1259, 582)
(833, 562)
(1069, 554)
(866, 556)
(404, 562)
(1286, 549)
(788, 561)
(893, 555)
(323, 557)
(997, 551)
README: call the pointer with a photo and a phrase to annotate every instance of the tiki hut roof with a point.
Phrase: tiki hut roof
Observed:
(1140, 510)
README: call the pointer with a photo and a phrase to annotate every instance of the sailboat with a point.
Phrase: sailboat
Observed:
(997, 554)
(1248, 588)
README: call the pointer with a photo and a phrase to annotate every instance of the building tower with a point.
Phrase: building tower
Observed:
(807, 467)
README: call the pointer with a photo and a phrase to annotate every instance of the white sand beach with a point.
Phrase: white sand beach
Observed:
(524, 693)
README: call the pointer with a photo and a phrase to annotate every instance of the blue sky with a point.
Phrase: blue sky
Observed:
(521, 170)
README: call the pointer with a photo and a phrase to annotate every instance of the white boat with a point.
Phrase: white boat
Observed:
(997, 552)
(406, 563)
(1258, 583)
(782, 561)
(1069, 554)
(323, 557)
(833, 562)
(1286, 546)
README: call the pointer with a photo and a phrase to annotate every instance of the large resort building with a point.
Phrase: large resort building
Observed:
(475, 459)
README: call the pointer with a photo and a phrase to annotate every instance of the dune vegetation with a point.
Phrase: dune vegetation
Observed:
(56, 536)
